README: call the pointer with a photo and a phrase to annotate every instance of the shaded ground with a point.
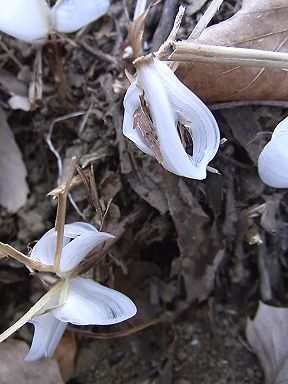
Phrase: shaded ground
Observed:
(223, 265)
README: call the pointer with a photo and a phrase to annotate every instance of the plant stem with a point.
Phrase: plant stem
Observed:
(32, 311)
(192, 52)
(200, 26)
(140, 8)
(60, 217)
(205, 19)
(11, 252)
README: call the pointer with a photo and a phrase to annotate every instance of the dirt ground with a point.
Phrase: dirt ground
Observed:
(187, 257)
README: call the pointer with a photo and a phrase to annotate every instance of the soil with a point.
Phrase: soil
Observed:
(190, 326)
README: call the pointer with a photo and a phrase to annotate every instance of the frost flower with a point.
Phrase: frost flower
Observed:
(75, 300)
(160, 111)
(273, 160)
(33, 20)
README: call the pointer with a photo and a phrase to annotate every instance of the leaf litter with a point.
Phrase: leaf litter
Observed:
(181, 242)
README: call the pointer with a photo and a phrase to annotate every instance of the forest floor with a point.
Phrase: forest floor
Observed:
(190, 326)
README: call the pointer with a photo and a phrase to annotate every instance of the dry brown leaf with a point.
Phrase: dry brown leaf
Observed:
(260, 24)
(147, 181)
(65, 355)
(267, 335)
(200, 256)
(245, 129)
(13, 186)
(13, 368)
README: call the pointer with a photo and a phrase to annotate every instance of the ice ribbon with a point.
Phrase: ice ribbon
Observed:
(33, 20)
(75, 300)
(170, 103)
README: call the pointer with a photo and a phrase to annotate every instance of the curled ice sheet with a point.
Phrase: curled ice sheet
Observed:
(170, 106)
(79, 240)
(273, 160)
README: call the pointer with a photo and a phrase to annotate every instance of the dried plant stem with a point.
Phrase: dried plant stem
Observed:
(200, 26)
(60, 217)
(140, 8)
(32, 311)
(172, 35)
(191, 52)
(205, 19)
(11, 252)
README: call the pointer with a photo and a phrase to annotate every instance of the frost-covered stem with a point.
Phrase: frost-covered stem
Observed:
(192, 52)
(140, 8)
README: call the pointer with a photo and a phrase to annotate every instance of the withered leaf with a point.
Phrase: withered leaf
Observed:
(200, 255)
(10, 84)
(258, 24)
(267, 335)
(65, 355)
(13, 186)
(245, 127)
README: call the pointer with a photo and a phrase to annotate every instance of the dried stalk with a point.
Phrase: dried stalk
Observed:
(192, 52)
(60, 217)
(6, 249)
(32, 311)
(140, 8)
(200, 26)
(205, 19)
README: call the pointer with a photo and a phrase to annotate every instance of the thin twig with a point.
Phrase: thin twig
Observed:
(11, 252)
(32, 311)
(123, 332)
(51, 146)
(201, 25)
(172, 35)
(97, 52)
(205, 19)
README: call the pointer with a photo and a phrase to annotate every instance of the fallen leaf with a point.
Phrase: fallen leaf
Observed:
(200, 256)
(13, 186)
(245, 129)
(13, 368)
(267, 335)
(147, 181)
(10, 84)
(258, 24)
(65, 355)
